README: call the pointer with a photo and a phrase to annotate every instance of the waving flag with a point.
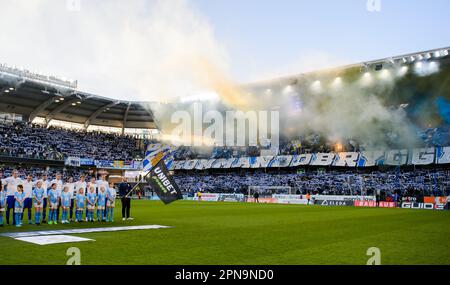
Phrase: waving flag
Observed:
(158, 159)
(163, 183)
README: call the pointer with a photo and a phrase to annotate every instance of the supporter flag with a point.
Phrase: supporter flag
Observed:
(154, 153)
(162, 183)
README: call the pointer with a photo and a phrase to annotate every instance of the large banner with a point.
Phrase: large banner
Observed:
(442, 155)
(348, 159)
(398, 157)
(423, 156)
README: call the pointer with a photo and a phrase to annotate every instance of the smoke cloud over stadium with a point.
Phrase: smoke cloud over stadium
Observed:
(141, 50)
(161, 51)
(343, 112)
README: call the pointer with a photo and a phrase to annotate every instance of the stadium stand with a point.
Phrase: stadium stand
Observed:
(22, 94)
(22, 139)
(431, 182)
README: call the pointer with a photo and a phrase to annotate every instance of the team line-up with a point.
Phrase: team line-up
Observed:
(19, 195)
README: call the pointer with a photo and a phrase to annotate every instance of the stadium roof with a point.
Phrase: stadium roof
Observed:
(372, 64)
(36, 98)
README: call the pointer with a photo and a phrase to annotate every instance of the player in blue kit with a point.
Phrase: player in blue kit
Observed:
(81, 204)
(53, 198)
(91, 201)
(38, 197)
(110, 202)
(101, 204)
(66, 198)
(19, 197)
(2, 203)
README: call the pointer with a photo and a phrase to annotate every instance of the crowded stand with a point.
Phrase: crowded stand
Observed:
(312, 143)
(22, 139)
(74, 192)
(427, 182)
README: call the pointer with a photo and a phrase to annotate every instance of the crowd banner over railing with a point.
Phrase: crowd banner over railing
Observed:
(399, 157)
(72, 161)
(107, 164)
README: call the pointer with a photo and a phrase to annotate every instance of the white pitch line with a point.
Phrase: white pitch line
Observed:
(82, 231)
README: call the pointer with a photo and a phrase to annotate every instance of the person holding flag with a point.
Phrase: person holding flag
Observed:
(124, 190)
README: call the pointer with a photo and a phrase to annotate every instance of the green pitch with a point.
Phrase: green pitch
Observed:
(238, 233)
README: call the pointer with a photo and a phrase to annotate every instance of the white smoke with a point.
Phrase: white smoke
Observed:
(342, 109)
(136, 49)
(162, 50)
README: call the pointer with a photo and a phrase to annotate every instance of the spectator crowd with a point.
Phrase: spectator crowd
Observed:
(22, 139)
(428, 182)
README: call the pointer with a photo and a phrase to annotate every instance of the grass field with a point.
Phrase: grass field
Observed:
(235, 233)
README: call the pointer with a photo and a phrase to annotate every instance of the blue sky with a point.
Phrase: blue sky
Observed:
(263, 36)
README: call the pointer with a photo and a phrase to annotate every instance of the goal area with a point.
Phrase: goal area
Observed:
(268, 191)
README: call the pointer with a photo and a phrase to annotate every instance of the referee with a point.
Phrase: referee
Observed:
(124, 189)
